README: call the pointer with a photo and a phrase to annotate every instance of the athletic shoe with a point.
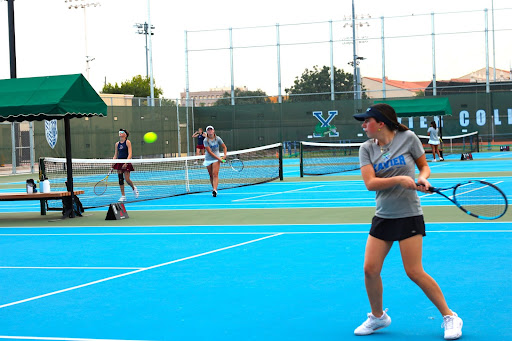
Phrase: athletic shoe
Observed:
(122, 199)
(136, 192)
(441, 159)
(373, 323)
(214, 193)
(452, 327)
(434, 160)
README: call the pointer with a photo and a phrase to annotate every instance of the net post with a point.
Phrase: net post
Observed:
(301, 161)
(477, 142)
(42, 170)
(281, 162)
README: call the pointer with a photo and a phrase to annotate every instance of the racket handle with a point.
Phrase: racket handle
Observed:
(430, 189)
(223, 161)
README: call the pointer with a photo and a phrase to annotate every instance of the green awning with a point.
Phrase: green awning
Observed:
(47, 98)
(434, 106)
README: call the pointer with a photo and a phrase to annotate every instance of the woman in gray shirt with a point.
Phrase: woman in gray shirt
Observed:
(212, 158)
(388, 162)
(434, 141)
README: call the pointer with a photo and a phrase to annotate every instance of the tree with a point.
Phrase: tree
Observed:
(244, 97)
(138, 87)
(318, 83)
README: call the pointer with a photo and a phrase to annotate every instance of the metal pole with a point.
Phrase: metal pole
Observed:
(332, 60)
(188, 133)
(493, 43)
(146, 47)
(187, 90)
(231, 66)
(13, 149)
(31, 144)
(356, 87)
(178, 123)
(434, 85)
(85, 39)
(12, 39)
(12, 55)
(383, 59)
(69, 163)
(279, 96)
(152, 87)
(487, 86)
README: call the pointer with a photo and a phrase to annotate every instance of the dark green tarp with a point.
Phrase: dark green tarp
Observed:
(47, 98)
(435, 106)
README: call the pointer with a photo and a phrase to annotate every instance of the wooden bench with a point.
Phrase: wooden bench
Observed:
(42, 197)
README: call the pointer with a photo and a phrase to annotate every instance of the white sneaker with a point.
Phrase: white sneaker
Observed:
(122, 199)
(441, 159)
(452, 327)
(373, 323)
(434, 160)
(135, 192)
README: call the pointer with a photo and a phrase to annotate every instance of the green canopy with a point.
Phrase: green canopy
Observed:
(434, 106)
(47, 98)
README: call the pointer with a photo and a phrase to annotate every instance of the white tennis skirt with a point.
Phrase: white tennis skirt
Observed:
(206, 163)
(435, 143)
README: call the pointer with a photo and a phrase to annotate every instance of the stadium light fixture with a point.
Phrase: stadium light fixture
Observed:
(144, 29)
(76, 4)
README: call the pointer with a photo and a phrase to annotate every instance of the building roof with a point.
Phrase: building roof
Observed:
(411, 86)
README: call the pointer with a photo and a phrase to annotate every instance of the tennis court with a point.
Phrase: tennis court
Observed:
(275, 261)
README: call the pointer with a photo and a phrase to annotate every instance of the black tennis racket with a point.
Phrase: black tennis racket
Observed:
(477, 198)
(101, 186)
(236, 164)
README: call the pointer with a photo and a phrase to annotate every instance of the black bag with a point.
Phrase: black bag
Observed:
(68, 208)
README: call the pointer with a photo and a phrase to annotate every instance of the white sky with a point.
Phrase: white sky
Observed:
(50, 40)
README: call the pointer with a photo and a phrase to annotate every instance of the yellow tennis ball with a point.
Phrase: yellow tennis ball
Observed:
(150, 137)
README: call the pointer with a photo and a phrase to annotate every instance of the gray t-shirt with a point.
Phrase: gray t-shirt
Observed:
(396, 158)
(434, 134)
(214, 146)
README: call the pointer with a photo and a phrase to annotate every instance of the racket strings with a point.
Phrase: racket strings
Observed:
(481, 199)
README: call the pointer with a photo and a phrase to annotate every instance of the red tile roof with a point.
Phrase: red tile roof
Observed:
(412, 86)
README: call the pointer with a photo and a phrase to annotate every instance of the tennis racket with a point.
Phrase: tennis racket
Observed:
(101, 186)
(236, 164)
(477, 198)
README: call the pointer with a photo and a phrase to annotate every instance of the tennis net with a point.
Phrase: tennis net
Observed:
(162, 177)
(467, 143)
(317, 158)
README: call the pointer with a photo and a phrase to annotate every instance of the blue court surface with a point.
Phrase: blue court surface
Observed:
(224, 281)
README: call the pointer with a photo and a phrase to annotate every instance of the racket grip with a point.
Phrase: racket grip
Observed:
(223, 161)
(430, 189)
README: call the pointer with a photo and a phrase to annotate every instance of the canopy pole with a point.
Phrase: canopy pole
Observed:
(12, 56)
(69, 165)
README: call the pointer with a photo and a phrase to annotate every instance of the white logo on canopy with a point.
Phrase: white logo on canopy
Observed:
(50, 129)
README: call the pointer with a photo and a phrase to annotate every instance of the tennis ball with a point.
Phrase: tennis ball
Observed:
(150, 137)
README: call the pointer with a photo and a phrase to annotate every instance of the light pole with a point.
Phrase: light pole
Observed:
(355, 40)
(83, 4)
(144, 29)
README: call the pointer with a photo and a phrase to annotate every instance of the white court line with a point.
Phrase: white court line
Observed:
(137, 271)
(72, 267)
(56, 338)
(276, 193)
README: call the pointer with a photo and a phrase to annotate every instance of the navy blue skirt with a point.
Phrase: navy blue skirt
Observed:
(397, 228)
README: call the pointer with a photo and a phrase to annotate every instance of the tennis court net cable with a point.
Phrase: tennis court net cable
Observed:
(160, 177)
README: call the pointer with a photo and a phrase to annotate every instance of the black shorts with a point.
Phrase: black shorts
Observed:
(398, 228)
